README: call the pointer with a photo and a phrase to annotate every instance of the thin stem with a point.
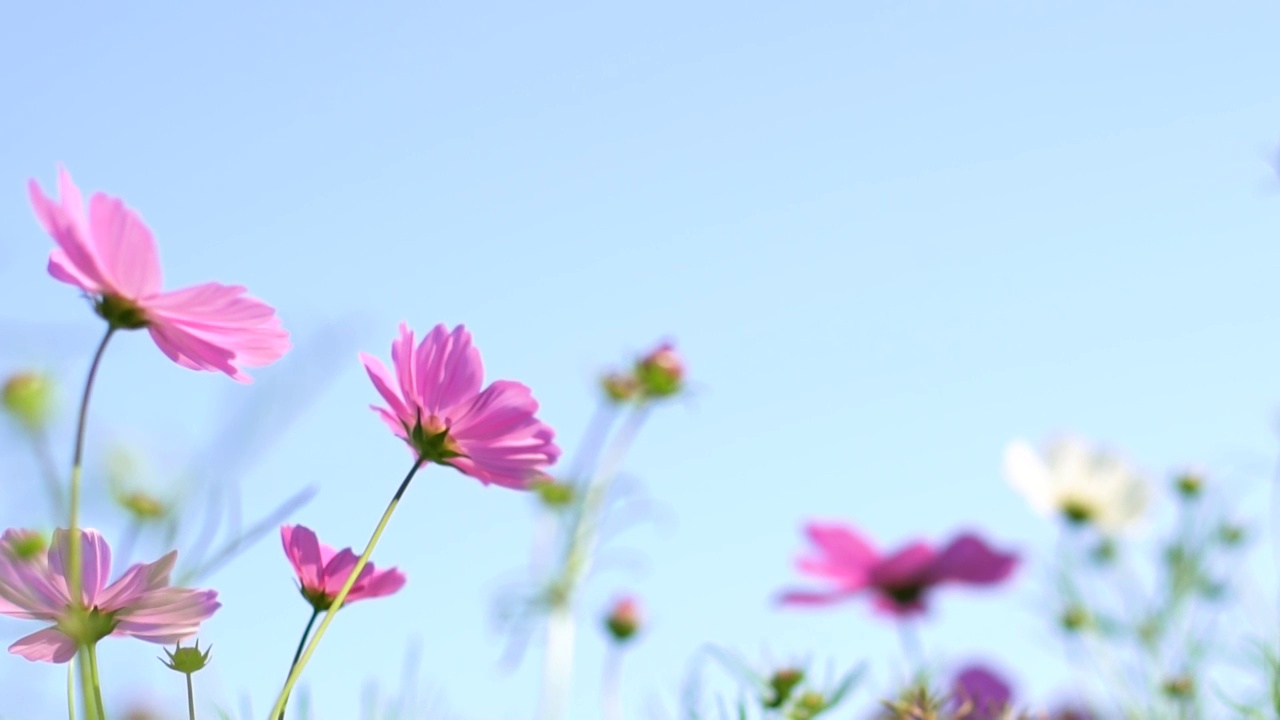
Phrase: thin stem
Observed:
(302, 643)
(71, 689)
(93, 675)
(558, 653)
(611, 690)
(191, 698)
(912, 647)
(277, 712)
(77, 461)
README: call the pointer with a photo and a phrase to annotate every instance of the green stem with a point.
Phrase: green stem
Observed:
(277, 712)
(71, 689)
(77, 461)
(302, 643)
(558, 650)
(93, 675)
(191, 698)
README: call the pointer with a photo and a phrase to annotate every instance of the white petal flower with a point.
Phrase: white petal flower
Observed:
(1074, 480)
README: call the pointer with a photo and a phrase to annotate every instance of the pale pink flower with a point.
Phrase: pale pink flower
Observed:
(899, 582)
(435, 404)
(111, 255)
(322, 572)
(139, 604)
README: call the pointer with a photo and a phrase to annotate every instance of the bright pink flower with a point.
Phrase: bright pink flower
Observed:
(900, 581)
(436, 405)
(322, 572)
(139, 604)
(111, 255)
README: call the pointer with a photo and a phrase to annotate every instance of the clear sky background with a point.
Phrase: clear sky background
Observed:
(888, 237)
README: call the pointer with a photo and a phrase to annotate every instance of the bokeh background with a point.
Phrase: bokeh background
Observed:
(888, 238)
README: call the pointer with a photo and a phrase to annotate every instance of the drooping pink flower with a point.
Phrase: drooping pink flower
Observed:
(899, 582)
(139, 604)
(322, 572)
(435, 404)
(111, 255)
(982, 691)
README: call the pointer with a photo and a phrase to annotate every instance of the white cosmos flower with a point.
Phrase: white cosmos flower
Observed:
(1077, 482)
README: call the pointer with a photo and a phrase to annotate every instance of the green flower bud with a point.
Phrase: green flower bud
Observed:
(661, 372)
(187, 660)
(29, 398)
(554, 495)
(624, 620)
(1189, 485)
(783, 683)
(620, 387)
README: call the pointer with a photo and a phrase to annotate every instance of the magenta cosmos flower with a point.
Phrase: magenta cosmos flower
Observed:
(981, 692)
(139, 604)
(111, 255)
(322, 572)
(900, 581)
(435, 404)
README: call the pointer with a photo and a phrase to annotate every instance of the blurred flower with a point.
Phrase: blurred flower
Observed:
(111, 255)
(436, 406)
(661, 372)
(1075, 481)
(552, 493)
(899, 582)
(322, 572)
(984, 693)
(187, 660)
(139, 604)
(28, 398)
(624, 619)
(1189, 484)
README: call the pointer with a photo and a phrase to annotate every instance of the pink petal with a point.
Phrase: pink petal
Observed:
(448, 370)
(302, 547)
(48, 645)
(73, 262)
(504, 443)
(216, 327)
(138, 579)
(383, 583)
(339, 568)
(402, 358)
(813, 598)
(907, 567)
(382, 382)
(167, 615)
(95, 561)
(125, 250)
(842, 554)
(970, 560)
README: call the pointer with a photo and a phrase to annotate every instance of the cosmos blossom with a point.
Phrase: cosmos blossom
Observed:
(982, 692)
(899, 582)
(110, 254)
(1084, 485)
(322, 572)
(139, 604)
(436, 405)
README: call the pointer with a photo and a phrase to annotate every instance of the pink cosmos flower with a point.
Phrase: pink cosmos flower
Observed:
(111, 255)
(983, 691)
(322, 572)
(435, 404)
(900, 581)
(139, 604)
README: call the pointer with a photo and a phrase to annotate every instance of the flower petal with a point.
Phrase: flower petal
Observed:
(124, 247)
(47, 645)
(970, 560)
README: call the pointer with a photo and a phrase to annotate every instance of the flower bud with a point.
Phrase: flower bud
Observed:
(554, 495)
(620, 387)
(29, 398)
(624, 620)
(1075, 618)
(1179, 687)
(27, 545)
(1189, 484)
(187, 660)
(783, 683)
(1230, 534)
(661, 372)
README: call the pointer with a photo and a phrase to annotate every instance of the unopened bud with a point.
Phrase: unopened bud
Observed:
(28, 397)
(620, 387)
(808, 705)
(187, 660)
(143, 506)
(1179, 687)
(1075, 618)
(1189, 484)
(553, 494)
(26, 544)
(783, 683)
(624, 619)
(661, 372)
(1230, 534)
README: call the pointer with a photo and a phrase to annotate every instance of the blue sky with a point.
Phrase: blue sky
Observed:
(888, 238)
